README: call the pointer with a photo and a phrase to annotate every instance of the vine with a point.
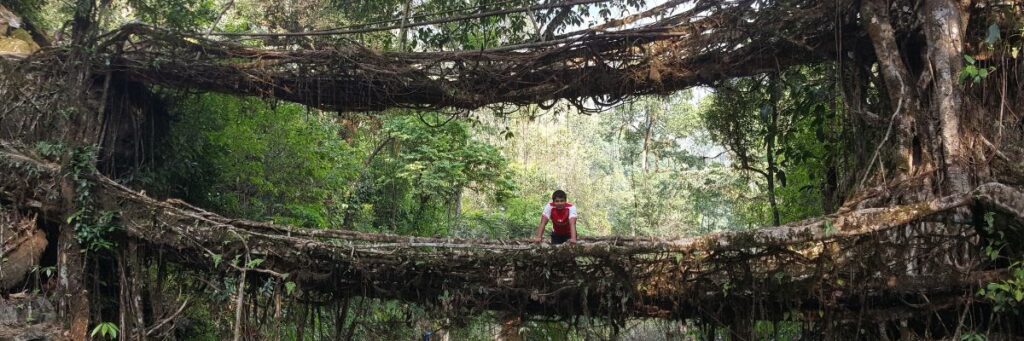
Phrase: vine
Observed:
(1006, 295)
(93, 227)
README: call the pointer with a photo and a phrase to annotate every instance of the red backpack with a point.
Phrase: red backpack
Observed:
(560, 219)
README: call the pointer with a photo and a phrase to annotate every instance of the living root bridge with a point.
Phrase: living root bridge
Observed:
(842, 264)
(602, 64)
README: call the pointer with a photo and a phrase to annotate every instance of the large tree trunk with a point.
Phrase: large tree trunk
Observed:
(944, 22)
(73, 306)
(899, 84)
(926, 98)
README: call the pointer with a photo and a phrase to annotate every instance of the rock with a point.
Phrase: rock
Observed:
(17, 43)
(22, 246)
(8, 19)
(28, 318)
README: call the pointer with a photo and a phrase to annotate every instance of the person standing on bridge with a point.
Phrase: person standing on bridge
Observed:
(562, 215)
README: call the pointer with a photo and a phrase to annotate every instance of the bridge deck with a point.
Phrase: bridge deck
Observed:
(876, 259)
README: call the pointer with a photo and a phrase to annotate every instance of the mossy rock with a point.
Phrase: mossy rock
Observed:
(19, 42)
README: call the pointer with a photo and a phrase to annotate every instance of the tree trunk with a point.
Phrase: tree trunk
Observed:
(73, 306)
(944, 27)
(648, 125)
(898, 83)
(131, 276)
(770, 149)
(402, 36)
(927, 100)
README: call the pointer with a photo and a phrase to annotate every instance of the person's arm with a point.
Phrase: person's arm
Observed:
(572, 230)
(572, 224)
(539, 236)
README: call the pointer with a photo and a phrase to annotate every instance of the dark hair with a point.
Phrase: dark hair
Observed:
(559, 194)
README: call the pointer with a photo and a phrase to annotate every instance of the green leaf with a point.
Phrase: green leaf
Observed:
(216, 260)
(254, 263)
(73, 216)
(969, 59)
(106, 329)
(289, 287)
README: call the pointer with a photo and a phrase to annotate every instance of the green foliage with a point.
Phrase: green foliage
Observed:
(995, 245)
(599, 161)
(510, 28)
(217, 259)
(43, 14)
(778, 330)
(176, 14)
(94, 231)
(974, 71)
(50, 150)
(419, 179)
(547, 153)
(105, 330)
(93, 228)
(1006, 295)
(289, 287)
(515, 217)
(678, 185)
(254, 263)
(437, 161)
(247, 158)
(46, 271)
(803, 128)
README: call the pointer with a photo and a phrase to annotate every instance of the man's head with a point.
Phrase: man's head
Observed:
(559, 198)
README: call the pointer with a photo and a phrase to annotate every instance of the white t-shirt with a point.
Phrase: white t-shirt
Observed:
(548, 207)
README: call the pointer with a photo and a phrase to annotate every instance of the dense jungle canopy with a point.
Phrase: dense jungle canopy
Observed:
(336, 169)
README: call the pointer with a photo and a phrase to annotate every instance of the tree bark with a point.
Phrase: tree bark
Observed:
(73, 302)
(133, 325)
(73, 305)
(944, 27)
(898, 82)
(770, 148)
(403, 32)
(82, 21)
